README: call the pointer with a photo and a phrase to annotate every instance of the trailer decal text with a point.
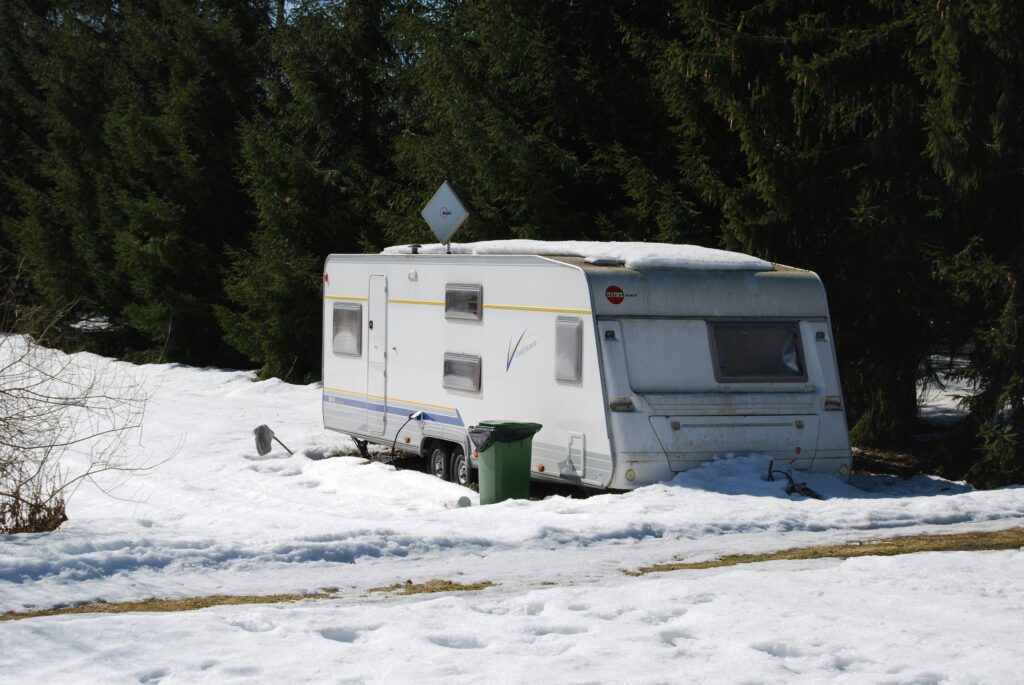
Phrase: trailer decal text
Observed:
(518, 350)
(616, 295)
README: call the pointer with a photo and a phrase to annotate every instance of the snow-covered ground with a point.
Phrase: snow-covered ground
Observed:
(215, 518)
(938, 398)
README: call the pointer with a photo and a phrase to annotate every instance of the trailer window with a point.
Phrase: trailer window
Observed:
(463, 301)
(462, 372)
(348, 329)
(745, 351)
(667, 355)
(568, 349)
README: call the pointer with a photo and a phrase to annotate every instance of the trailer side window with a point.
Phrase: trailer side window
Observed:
(463, 301)
(462, 372)
(568, 349)
(348, 329)
(749, 351)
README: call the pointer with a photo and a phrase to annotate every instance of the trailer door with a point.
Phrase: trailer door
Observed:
(377, 367)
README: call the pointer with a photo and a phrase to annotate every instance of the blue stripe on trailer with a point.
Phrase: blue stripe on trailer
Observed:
(379, 407)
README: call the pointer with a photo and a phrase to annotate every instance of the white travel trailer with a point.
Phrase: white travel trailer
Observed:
(639, 360)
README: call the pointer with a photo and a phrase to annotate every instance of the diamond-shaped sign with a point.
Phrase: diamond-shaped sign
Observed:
(444, 213)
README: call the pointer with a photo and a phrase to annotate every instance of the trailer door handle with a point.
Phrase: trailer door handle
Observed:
(371, 325)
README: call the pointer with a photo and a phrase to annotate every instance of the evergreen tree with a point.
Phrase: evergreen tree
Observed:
(56, 75)
(312, 161)
(129, 194)
(972, 61)
(185, 75)
(184, 167)
(18, 95)
(544, 118)
(824, 107)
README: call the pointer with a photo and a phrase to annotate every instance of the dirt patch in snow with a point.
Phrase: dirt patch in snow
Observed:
(1011, 538)
(164, 605)
(436, 585)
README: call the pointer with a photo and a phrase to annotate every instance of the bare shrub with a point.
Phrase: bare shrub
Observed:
(64, 419)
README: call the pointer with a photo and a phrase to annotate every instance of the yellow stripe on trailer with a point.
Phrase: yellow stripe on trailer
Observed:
(511, 307)
(521, 308)
(430, 302)
(390, 399)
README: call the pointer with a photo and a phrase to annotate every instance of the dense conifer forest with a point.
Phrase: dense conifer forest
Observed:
(181, 168)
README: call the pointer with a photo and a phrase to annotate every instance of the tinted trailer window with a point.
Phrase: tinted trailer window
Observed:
(757, 352)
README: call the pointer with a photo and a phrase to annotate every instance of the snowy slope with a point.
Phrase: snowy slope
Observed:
(215, 518)
(927, 618)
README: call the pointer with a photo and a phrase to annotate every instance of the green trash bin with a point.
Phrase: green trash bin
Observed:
(505, 448)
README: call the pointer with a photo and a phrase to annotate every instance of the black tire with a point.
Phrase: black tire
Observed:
(440, 461)
(461, 471)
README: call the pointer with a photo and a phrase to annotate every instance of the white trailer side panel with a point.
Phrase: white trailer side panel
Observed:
(523, 298)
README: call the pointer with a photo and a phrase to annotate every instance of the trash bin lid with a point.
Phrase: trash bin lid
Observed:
(512, 425)
(487, 432)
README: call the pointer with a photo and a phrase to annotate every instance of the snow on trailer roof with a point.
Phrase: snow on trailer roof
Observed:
(630, 255)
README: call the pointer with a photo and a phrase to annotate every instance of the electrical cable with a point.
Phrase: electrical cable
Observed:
(417, 415)
(791, 485)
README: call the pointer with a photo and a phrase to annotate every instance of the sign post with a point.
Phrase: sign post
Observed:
(444, 214)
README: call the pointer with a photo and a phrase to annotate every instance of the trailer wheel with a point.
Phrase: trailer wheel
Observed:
(439, 462)
(461, 472)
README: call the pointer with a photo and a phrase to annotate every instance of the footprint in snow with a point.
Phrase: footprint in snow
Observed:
(455, 642)
(490, 608)
(284, 470)
(344, 634)
(266, 457)
(252, 623)
(843, 663)
(778, 649)
(557, 630)
(658, 617)
(672, 638)
(532, 608)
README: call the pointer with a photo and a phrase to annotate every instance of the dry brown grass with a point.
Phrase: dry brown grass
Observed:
(436, 585)
(161, 605)
(902, 464)
(1011, 538)
(193, 603)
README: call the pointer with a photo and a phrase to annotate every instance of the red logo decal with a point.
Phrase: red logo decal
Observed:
(614, 294)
